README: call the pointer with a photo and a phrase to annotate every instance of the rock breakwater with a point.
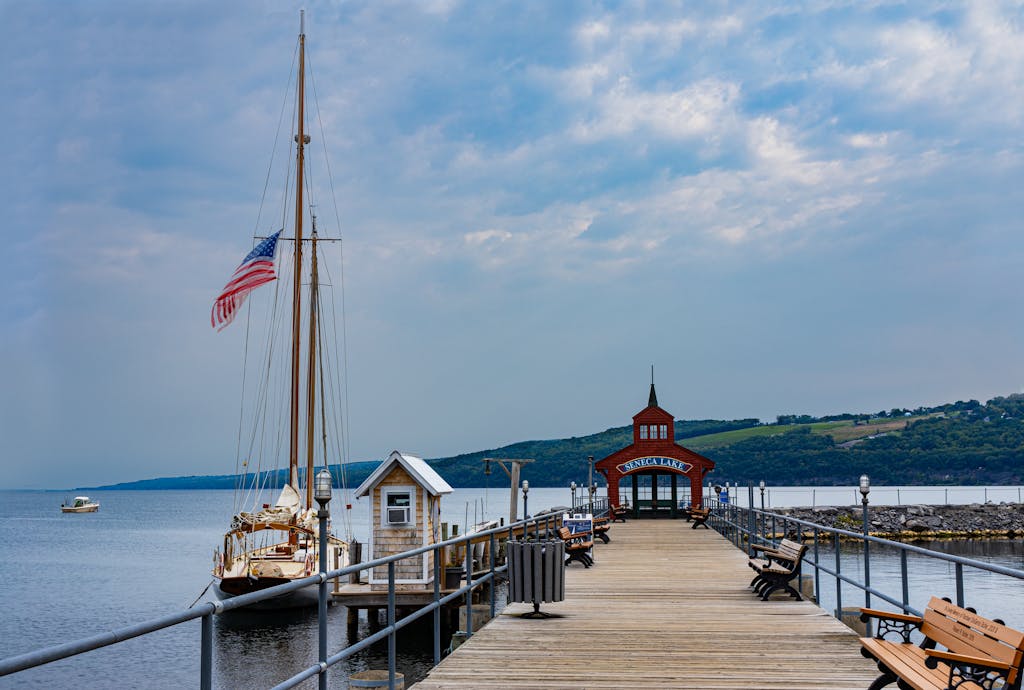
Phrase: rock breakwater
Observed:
(993, 520)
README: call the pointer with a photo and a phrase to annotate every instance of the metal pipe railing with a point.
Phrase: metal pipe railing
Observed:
(208, 610)
(732, 523)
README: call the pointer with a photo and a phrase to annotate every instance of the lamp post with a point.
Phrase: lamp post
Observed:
(572, 488)
(322, 493)
(865, 489)
(526, 490)
(592, 487)
(760, 485)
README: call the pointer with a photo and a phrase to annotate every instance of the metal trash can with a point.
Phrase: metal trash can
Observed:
(536, 573)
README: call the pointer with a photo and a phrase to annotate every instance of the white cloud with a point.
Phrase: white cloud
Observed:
(696, 111)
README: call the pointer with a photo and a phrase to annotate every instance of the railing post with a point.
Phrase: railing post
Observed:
(493, 583)
(322, 598)
(906, 580)
(817, 569)
(392, 642)
(469, 588)
(206, 654)
(839, 583)
(960, 585)
(437, 611)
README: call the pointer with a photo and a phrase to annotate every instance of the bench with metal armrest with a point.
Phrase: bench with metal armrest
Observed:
(980, 653)
(699, 516)
(780, 565)
(601, 528)
(577, 546)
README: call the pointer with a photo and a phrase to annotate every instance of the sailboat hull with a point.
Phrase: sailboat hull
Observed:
(229, 587)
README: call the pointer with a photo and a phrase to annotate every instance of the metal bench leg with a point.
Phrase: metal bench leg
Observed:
(882, 681)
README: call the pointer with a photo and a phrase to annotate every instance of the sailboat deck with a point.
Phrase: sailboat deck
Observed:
(664, 606)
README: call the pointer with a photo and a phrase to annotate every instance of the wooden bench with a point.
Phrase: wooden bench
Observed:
(978, 654)
(601, 528)
(699, 516)
(778, 567)
(577, 546)
(618, 512)
(786, 551)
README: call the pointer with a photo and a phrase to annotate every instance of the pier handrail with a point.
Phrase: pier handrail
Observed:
(541, 525)
(743, 526)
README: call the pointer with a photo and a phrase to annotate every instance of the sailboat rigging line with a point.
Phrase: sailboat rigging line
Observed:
(253, 489)
(328, 376)
(207, 587)
(343, 358)
(335, 378)
(277, 139)
(337, 221)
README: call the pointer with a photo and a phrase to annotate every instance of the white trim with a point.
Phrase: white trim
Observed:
(419, 470)
(386, 491)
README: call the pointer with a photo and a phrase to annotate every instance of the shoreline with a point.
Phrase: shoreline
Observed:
(922, 522)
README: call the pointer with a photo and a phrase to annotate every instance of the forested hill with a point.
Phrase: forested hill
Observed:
(958, 443)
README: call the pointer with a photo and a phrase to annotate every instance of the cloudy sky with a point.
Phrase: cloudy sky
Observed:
(785, 207)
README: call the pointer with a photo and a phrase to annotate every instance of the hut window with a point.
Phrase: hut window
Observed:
(663, 431)
(643, 431)
(398, 506)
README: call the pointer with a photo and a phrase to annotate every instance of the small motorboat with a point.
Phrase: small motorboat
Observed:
(80, 504)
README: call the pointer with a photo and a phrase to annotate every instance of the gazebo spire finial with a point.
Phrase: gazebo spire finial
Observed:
(652, 400)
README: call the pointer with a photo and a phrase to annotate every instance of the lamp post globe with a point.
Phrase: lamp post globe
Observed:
(322, 486)
(526, 490)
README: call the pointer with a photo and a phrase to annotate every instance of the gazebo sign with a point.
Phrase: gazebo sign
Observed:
(654, 462)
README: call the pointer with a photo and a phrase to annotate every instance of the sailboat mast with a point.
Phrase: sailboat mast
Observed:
(300, 141)
(314, 299)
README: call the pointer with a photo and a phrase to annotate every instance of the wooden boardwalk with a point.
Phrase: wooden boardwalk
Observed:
(664, 606)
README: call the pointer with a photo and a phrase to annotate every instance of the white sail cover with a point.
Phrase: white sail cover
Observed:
(289, 499)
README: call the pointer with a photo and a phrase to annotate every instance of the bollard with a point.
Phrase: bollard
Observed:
(375, 679)
(851, 619)
(806, 588)
(481, 615)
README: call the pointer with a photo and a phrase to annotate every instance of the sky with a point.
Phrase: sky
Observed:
(785, 208)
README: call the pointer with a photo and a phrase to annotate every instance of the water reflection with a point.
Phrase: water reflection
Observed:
(263, 648)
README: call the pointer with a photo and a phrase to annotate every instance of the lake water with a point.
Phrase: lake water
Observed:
(148, 553)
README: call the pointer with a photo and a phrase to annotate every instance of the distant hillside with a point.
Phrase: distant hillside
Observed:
(957, 443)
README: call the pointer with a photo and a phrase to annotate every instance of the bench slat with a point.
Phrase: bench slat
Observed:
(961, 639)
(907, 662)
(1014, 638)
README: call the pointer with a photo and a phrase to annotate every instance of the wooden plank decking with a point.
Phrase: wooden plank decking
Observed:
(664, 606)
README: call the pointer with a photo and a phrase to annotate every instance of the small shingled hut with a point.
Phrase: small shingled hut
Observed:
(405, 511)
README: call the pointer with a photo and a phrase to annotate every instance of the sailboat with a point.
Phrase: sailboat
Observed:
(269, 544)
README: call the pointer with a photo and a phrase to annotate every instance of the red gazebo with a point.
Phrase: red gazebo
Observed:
(654, 452)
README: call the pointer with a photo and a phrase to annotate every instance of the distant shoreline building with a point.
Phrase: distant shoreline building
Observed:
(653, 464)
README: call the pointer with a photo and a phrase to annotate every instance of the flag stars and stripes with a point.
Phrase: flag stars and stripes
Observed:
(256, 269)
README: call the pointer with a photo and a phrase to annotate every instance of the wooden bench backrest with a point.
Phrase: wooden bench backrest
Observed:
(791, 550)
(566, 534)
(963, 632)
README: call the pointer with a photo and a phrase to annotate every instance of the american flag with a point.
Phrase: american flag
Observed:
(256, 269)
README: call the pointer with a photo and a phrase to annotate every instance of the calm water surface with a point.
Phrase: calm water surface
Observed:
(148, 553)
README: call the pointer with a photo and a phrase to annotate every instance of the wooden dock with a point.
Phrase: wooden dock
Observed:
(664, 606)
